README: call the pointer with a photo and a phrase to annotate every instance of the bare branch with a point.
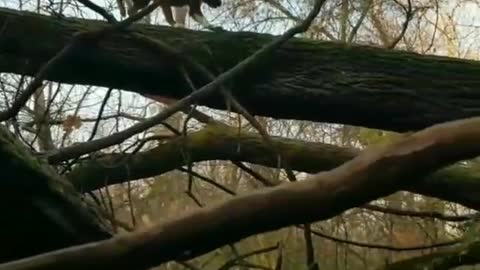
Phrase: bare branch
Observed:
(249, 62)
(229, 264)
(355, 183)
(309, 248)
(384, 247)
(408, 17)
(100, 113)
(38, 80)
(78, 40)
(419, 214)
(98, 9)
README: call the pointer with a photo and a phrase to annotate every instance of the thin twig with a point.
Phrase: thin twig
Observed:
(130, 202)
(279, 261)
(232, 262)
(98, 9)
(309, 248)
(37, 82)
(354, 31)
(265, 181)
(94, 130)
(209, 181)
(76, 41)
(385, 247)
(100, 113)
(110, 206)
(419, 214)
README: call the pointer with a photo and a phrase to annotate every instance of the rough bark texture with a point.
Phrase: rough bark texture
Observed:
(455, 183)
(310, 80)
(40, 210)
(374, 173)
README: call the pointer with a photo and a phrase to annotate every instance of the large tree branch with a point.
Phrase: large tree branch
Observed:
(375, 173)
(312, 79)
(245, 66)
(40, 208)
(455, 183)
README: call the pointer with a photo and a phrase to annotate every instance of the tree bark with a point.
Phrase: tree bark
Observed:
(455, 183)
(466, 254)
(307, 80)
(326, 195)
(41, 211)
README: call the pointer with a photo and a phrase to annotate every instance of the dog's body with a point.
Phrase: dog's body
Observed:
(180, 7)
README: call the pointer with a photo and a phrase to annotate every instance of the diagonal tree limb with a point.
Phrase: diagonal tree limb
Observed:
(420, 214)
(98, 9)
(377, 172)
(385, 247)
(365, 6)
(305, 24)
(457, 183)
(210, 88)
(409, 12)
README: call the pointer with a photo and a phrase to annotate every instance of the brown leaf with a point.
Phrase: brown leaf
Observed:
(71, 122)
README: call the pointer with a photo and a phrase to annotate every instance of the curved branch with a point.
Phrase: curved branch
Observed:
(384, 247)
(409, 12)
(456, 183)
(377, 172)
(419, 214)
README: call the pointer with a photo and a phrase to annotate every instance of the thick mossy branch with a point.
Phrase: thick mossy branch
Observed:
(211, 143)
(309, 80)
(40, 210)
(455, 183)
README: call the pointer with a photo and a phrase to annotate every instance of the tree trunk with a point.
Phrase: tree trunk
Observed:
(40, 210)
(375, 173)
(308, 80)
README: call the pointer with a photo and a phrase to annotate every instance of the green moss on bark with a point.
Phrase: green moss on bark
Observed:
(40, 210)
